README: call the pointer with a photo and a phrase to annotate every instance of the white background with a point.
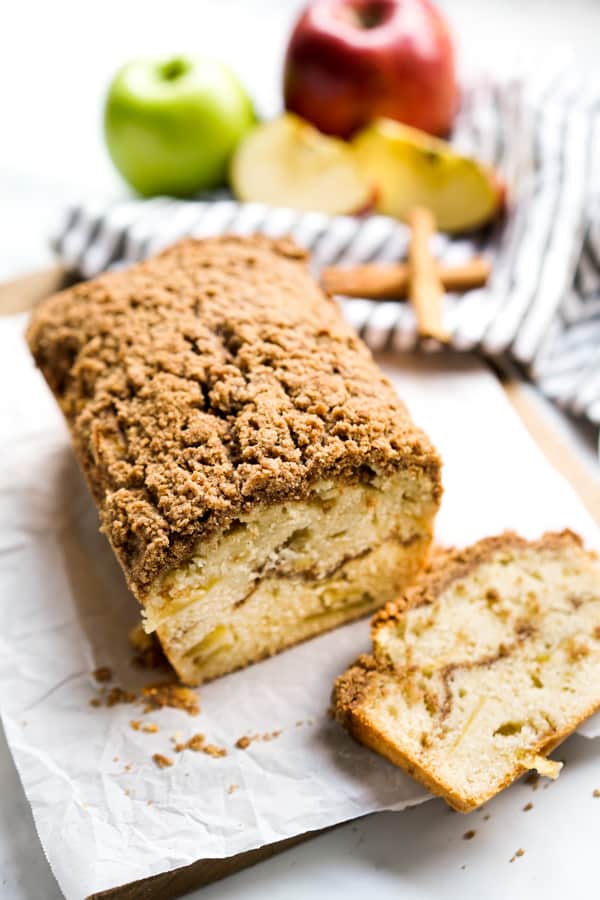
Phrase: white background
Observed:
(55, 61)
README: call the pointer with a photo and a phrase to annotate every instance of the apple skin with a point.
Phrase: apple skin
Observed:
(351, 61)
(171, 125)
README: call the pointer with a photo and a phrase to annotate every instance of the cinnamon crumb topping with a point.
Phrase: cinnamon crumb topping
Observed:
(162, 761)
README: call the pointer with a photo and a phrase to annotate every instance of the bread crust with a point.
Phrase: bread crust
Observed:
(207, 380)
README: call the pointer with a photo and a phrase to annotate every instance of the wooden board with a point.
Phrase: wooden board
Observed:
(23, 294)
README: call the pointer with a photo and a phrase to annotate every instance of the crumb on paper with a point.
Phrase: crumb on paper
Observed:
(148, 653)
(102, 674)
(299, 723)
(197, 743)
(469, 835)
(244, 742)
(527, 807)
(136, 724)
(534, 780)
(596, 792)
(163, 762)
(232, 788)
(128, 767)
(95, 701)
(271, 735)
(115, 759)
(169, 693)
(486, 817)
(519, 852)
(150, 728)
(119, 695)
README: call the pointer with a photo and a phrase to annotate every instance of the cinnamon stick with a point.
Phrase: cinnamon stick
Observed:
(390, 281)
(426, 291)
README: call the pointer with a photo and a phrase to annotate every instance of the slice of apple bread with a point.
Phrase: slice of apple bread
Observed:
(484, 666)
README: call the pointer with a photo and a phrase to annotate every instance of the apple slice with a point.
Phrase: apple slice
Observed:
(410, 168)
(287, 162)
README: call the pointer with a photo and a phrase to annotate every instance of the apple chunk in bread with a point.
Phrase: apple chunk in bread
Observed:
(410, 168)
(287, 162)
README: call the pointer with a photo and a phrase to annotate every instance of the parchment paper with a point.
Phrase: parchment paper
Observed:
(106, 815)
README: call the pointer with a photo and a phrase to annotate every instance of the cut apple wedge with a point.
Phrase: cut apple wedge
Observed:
(410, 168)
(287, 162)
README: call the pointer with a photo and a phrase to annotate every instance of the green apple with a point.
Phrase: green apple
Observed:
(171, 125)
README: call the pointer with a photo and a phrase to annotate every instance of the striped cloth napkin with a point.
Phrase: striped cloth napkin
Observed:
(542, 304)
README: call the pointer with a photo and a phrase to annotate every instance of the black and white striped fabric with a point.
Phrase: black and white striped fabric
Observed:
(542, 305)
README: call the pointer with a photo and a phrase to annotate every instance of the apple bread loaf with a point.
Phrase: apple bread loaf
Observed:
(255, 473)
(484, 666)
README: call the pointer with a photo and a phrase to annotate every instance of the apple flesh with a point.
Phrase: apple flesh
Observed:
(171, 125)
(287, 162)
(410, 168)
(351, 61)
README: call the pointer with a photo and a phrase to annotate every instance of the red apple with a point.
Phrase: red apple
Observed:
(351, 61)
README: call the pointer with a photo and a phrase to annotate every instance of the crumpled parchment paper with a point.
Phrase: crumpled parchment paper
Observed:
(106, 815)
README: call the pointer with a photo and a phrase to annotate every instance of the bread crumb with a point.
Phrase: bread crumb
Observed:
(150, 728)
(136, 724)
(243, 743)
(299, 723)
(213, 750)
(128, 767)
(161, 761)
(119, 695)
(520, 852)
(115, 759)
(95, 701)
(198, 744)
(469, 835)
(534, 780)
(173, 695)
(486, 817)
(527, 807)
(596, 792)
(232, 788)
(102, 673)
(271, 735)
(148, 653)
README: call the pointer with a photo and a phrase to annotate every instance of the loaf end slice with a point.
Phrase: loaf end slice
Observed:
(483, 667)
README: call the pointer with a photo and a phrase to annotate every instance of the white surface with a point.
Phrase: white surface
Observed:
(105, 814)
(55, 60)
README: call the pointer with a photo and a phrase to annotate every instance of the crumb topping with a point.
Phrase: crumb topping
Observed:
(208, 379)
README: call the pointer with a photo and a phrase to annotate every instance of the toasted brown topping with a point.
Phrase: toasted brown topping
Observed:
(162, 761)
(243, 743)
(213, 377)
